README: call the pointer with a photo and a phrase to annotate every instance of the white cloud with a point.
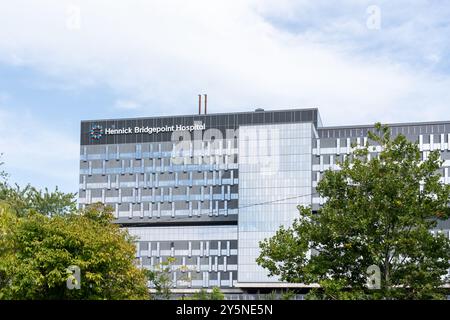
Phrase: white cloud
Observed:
(160, 54)
(33, 151)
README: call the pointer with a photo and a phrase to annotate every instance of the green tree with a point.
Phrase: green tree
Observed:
(215, 294)
(288, 295)
(3, 174)
(24, 200)
(161, 278)
(36, 251)
(379, 211)
(202, 294)
(7, 220)
(272, 295)
(27, 199)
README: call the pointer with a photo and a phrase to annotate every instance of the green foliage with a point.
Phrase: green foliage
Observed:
(378, 212)
(202, 294)
(161, 278)
(3, 174)
(28, 199)
(215, 294)
(36, 251)
(270, 296)
(288, 295)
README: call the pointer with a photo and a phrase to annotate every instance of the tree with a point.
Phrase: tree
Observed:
(288, 295)
(7, 220)
(3, 174)
(24, 200)
(161, 278)
(215, 294)
(379, 211)
(36, 251)
(202, 294)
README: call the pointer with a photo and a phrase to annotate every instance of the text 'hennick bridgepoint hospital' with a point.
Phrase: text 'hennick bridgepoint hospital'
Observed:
(151, 130)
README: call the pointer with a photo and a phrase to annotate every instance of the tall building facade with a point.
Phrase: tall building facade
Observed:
(206, 189)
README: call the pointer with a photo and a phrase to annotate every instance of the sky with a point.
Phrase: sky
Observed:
(64, 61)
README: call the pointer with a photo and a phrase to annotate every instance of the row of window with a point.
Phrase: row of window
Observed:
(201, 249)
(131, 170)
(344, 145)
(186, 233)
(137, 196)
(408, 130)
(203, 279)
(323, 160)
(197, 264)
(215, 178)
(148, 210)
(161, 151)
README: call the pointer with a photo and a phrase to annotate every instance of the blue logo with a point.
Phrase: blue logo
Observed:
(96, 132)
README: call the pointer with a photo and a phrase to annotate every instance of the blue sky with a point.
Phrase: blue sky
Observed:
(64, 61)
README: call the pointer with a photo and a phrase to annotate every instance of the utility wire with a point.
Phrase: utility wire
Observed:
(277, 200)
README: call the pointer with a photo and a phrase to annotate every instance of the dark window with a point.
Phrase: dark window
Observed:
(291, 116)
(308, 115)
(258, 118)
(277, 117)
(268, 117)
(249, 118)
(241, 119)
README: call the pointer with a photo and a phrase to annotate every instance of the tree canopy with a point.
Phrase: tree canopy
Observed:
(29, 198)
(379, 210)
(36, 251)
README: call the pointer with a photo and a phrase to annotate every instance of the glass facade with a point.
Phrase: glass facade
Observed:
(274, 177)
